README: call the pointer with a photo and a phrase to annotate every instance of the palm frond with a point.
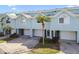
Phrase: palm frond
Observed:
(41, 19)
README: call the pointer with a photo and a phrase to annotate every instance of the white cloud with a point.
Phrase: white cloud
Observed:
(73, 6)
(13, 8)
(77, 5)
(70, 6)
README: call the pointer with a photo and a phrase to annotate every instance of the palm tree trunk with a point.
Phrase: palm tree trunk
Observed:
(43, 33)
(43, 36)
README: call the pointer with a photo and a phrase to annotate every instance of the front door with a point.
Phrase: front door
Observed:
(57, 34)
(45, 33)
(52, 34)
(21, 31)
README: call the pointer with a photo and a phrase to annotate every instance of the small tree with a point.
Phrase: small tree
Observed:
(7, 28)
(42, 19)
(2, 18)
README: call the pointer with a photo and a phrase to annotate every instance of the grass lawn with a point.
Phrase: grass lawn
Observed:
(50, 47)
(2, 41)
(45, 51)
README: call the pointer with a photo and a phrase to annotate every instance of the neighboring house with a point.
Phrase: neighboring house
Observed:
(64, 24)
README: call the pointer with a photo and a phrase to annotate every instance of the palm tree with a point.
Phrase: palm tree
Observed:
(2, 21)
(42, 19)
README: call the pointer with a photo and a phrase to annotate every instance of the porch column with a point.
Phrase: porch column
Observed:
(53, 33)
(17, 31)
(50, 34)
(13, 31)
(31, 33)
(77, 36)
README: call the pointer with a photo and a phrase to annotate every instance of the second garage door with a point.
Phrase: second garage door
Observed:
(38, 32)
(27, 32)
(68, 35)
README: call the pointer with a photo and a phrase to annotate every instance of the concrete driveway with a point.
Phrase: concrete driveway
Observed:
(24, 44)
(69, 47)
(20, 45)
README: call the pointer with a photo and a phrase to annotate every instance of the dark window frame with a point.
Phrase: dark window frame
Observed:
(7, 21)
(61, 20)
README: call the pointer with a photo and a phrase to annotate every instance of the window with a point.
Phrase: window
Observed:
(7, 21)
(61, 20)
(48, 32)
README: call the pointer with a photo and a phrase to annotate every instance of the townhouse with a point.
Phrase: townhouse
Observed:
(64, 23)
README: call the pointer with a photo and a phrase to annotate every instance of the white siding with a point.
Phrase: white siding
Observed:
(66, 18)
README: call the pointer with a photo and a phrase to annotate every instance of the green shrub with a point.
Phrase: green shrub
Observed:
(47, 40)
(1, 34)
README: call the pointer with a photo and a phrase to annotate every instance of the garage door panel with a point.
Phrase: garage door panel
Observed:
(68, 35)
(38, 33)
(27, 32)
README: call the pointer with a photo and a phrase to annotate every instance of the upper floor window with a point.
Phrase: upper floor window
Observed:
(61, 20)
(7, 21)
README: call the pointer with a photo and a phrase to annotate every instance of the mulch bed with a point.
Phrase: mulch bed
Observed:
(53, 44)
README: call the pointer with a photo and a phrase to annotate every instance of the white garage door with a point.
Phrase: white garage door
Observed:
(27, 32)
(38, 32)
(68, 35)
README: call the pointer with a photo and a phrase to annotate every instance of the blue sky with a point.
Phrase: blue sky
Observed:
(10, 8)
